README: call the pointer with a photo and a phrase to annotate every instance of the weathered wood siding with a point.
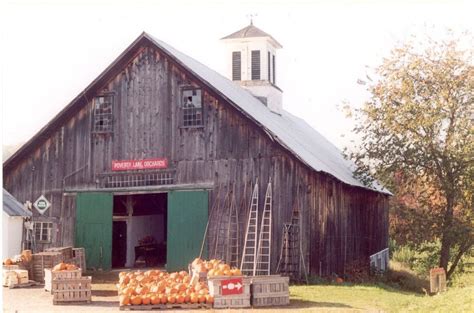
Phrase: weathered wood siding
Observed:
(339, 223)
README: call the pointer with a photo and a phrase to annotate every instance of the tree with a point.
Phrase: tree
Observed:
(417, 138)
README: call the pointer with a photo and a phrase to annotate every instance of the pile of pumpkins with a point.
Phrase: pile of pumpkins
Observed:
(157, 287)
(25, 256)
(64, 267)
(214, 268)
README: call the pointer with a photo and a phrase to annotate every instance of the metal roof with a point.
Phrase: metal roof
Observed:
(290, 131)
(12, 207)
(249, 32)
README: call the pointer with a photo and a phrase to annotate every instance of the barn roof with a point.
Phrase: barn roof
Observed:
(291, 132)
(12, 207)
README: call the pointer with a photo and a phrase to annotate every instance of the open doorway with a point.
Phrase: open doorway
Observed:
(139, 230)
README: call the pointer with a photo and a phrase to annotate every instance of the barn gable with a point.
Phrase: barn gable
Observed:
(291, 132)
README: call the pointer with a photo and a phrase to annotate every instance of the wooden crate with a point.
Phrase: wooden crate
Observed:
(232, 302)
(44, 260)
(72, 290)
(272, 290)
(65, 251)
(79, 258)
(11, 267)
(229, 301)
(186, 306)
(14, 277)
(50, 276)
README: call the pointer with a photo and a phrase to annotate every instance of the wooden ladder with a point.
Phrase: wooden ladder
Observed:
(248, 264)
(233, 233)
(265, 237)
(221, 241)
(289, 264)
(291, 254)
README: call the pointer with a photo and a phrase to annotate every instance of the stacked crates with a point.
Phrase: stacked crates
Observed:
(44, 260)
(50, 276)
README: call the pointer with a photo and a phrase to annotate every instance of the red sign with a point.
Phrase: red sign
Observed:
(232, 286)
(127, 165)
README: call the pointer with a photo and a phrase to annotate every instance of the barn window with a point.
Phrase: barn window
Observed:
(255, 64)
(236, 66)
(43, 231)
(103, 114)
(191, 105)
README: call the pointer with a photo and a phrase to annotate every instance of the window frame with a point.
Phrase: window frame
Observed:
(49, 231)
(95, 114)
(183, 110)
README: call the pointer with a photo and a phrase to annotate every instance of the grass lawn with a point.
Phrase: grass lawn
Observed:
(381, 298)
(350, 298)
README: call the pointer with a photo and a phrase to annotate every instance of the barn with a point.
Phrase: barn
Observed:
(162, 150)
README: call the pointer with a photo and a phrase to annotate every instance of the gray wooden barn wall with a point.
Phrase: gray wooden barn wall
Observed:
(340, 223)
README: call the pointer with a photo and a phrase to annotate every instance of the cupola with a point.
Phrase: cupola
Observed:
(251, 63)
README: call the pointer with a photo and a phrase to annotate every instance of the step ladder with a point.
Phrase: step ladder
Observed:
(249, 252)
(265, 237)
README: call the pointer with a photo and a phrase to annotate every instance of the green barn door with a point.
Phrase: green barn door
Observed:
(94, 228)
(187, 219)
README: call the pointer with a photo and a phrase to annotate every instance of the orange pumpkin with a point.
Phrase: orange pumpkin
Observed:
(155, 299)
(124, 279)
(187, 298)
(163, 299)
(180, 299)
(202, 299)
(194, 298)
(136, 300)
(236, 272)
(171, 299)
(146, 299)
(124, 300)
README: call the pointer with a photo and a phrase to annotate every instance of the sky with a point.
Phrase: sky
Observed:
(51, 50)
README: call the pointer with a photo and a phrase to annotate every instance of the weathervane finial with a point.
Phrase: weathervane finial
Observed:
(251, 16)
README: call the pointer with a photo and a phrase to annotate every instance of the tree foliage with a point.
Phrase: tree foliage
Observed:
(417, 138)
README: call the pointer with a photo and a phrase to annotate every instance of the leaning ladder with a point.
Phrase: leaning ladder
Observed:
(289, 263)
(221, 244)
(265, 237)
(233, 233)
(291, 255)
(248, 265)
